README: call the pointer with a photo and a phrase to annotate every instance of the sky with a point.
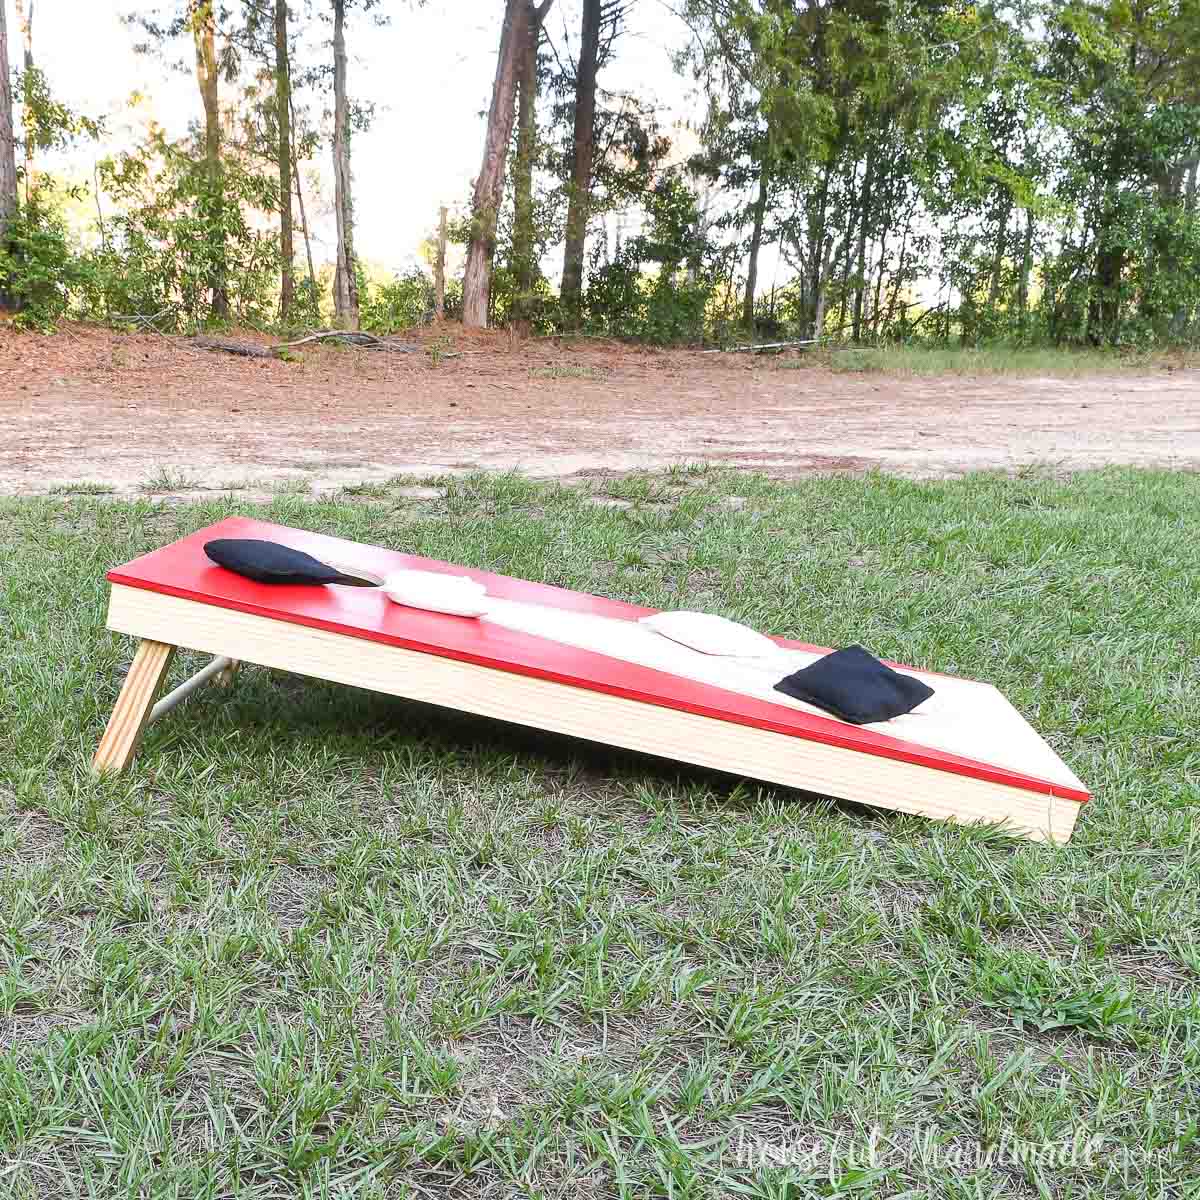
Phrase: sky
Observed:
(428, 72)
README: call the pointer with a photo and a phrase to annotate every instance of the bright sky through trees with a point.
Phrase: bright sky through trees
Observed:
(428, 72)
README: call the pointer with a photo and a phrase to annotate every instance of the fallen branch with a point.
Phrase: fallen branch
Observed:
(245, 349)
(349, 337)
(760, 346)
(344, 337)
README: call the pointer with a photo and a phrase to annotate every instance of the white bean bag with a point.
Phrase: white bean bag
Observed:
(459, 595)
(711, 634)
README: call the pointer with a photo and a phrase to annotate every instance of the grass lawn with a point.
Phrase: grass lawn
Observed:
(1052, 361)
(326, 943)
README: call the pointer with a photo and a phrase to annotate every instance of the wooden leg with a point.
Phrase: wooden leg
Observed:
(129, 717)
(228, 676)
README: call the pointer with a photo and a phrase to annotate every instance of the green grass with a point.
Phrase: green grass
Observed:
(367, 490)
(84, 488)
(321, 942)
(916, 360)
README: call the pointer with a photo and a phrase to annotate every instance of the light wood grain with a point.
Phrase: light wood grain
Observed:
(596, 716)
(132, 712)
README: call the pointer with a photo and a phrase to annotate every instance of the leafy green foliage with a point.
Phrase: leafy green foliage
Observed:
(657, 288)
(49, 124)
(39, 267)
(1038, 163)
(921, 171)
(164, 236)
(399, 303)
(403, 301)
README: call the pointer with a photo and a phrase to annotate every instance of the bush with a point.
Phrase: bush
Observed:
(402, 302)
(624, 299)
(174, 237)
(38, 266)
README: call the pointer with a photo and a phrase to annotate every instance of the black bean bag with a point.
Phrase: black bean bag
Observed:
(855, 686)
(269, 562)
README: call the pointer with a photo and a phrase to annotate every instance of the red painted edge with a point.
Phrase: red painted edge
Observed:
(181, 569)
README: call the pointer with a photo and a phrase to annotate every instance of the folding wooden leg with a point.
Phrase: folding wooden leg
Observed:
(129, 717)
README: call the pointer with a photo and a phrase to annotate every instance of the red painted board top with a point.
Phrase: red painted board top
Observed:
(182, 569)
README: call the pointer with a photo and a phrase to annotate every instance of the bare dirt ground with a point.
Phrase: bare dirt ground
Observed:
(128, 410)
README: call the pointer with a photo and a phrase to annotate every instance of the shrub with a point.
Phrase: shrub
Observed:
(173, 236)
(627, 298)
(402, 302)
(38, 266)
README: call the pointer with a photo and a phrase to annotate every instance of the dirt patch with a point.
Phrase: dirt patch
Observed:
(143, 412)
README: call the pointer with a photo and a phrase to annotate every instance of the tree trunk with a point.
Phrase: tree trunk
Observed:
(1104, 301)
(998, 258)
(312, 274)
(898, 277)
(25, 20)
(1026, 267)
(283, 112)
(1104, 305)
(581, 163)
(345, 279)
(814, 299)
(439, 269)
(695, 257)
(489, 185)
(204, 35)
(760, 210)
(847, 249)
(8, 158)
(524, 240)
(860, 257)
(878, 303)
(822, 283)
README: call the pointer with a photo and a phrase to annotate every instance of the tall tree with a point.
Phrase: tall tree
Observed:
(203, 22)
(345, 278)
(524, 251)
(583, 155)
(7, 147)
(756, 235)
(489, 184)
(25, 20)
(439, 268)
(283, 109)
(8, 159)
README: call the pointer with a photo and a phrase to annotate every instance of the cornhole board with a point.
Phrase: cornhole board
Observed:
(176, 597)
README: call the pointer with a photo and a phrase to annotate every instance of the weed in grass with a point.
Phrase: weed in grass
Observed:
(84, 488)
(324, 942)
(566, 371)
(642, 488)
(297, 485)
(243, 485)
(367, 490)
(691, 471)
(167, 480)
(1032, 990)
